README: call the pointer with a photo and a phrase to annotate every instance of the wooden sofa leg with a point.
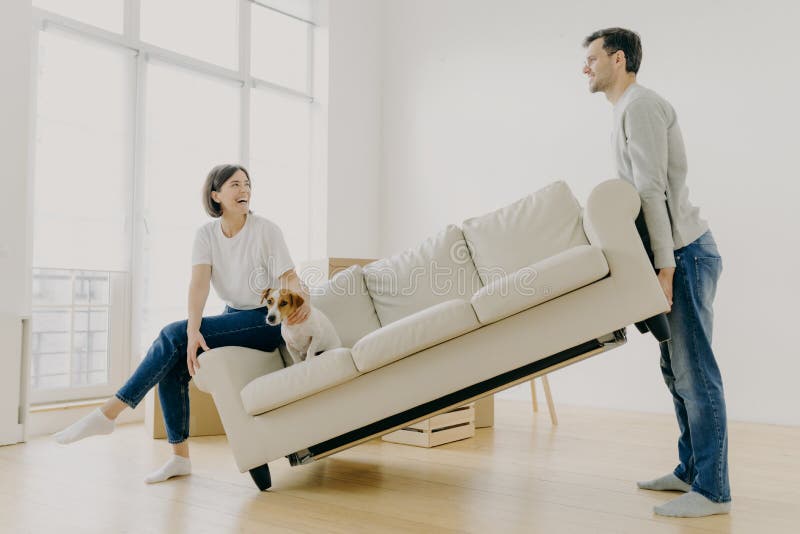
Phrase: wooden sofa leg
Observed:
(534, 400)
(550, 405)
(261, 477)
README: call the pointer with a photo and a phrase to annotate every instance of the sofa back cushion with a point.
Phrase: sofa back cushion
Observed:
(344, 299)
(531, 229)
(437, 270)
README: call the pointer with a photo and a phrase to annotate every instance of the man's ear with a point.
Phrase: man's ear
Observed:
(264, 294)
(297, 300)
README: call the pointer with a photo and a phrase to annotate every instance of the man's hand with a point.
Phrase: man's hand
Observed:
(665, 279)
(299, 315)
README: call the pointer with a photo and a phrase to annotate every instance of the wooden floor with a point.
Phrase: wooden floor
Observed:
(521, 476)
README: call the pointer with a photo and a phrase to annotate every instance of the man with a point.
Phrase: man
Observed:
(649, 154)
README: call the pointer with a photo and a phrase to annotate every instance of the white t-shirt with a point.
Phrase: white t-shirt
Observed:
(244, 265)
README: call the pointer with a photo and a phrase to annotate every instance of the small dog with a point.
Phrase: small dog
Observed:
(313, 336)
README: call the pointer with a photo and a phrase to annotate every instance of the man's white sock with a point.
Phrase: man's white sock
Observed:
(692, 504)
(668, 482)
(175, 467)
(91, 425)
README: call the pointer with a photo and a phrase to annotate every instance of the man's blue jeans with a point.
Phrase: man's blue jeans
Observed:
(691, 372)
(165, 362)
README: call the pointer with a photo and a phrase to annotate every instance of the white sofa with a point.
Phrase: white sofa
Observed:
(515, 293)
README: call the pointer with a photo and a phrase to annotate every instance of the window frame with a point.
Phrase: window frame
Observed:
(131, 289)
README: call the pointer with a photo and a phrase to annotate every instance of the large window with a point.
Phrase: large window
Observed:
(137, 100)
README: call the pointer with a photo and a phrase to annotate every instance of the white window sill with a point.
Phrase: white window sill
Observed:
(53, 406)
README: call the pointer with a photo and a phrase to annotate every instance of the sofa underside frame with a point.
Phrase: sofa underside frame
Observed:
(459, 398)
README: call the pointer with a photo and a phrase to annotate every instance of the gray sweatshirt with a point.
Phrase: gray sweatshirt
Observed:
(649, 154)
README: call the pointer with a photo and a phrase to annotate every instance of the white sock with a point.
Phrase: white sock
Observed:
(692, 504)
(668, 482)
(93, 424)
(175, 467)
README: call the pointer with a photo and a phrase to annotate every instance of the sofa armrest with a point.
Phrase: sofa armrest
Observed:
(609, 222)
(223, 373)
(232, 368)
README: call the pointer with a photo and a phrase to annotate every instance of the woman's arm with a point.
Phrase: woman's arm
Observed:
(290, 280)
(198, 294)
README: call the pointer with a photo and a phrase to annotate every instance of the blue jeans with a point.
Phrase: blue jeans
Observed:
(691, 372)
(165, 362)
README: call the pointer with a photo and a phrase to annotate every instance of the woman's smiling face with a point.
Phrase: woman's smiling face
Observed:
(234, 195)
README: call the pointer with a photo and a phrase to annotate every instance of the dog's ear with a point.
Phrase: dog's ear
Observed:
(264, 294)
(297, 300)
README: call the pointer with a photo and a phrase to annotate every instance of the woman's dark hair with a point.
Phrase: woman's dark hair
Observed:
(615, 39)
(216, 177)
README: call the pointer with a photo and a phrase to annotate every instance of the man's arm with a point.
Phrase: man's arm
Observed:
(646, 132)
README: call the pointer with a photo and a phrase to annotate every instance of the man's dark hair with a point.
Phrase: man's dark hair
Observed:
(615, 39)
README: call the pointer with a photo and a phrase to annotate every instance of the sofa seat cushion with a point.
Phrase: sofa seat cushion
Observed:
(301, 380)
(545, 280)
(531, 229)
(414, 333)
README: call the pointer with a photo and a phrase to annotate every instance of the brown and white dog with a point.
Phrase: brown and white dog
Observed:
(311, 337)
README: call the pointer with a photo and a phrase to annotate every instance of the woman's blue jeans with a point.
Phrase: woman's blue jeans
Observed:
(165, 362)
(691, 372)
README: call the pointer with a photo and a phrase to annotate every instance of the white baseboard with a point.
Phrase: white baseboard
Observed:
(12, 436)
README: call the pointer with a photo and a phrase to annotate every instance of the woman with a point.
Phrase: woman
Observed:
(239, 253)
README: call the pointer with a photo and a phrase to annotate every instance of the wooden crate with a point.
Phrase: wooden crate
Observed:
(443, 428)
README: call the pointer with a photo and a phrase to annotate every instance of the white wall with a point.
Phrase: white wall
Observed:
(354, 135)
(15, 31)
(484, 102)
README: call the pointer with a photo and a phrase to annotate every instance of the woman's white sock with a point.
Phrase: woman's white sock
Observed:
(91, 425)
(175, 467)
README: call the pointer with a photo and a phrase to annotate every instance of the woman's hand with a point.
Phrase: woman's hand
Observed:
(291, 281)
(299, 315)
(195, 341)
